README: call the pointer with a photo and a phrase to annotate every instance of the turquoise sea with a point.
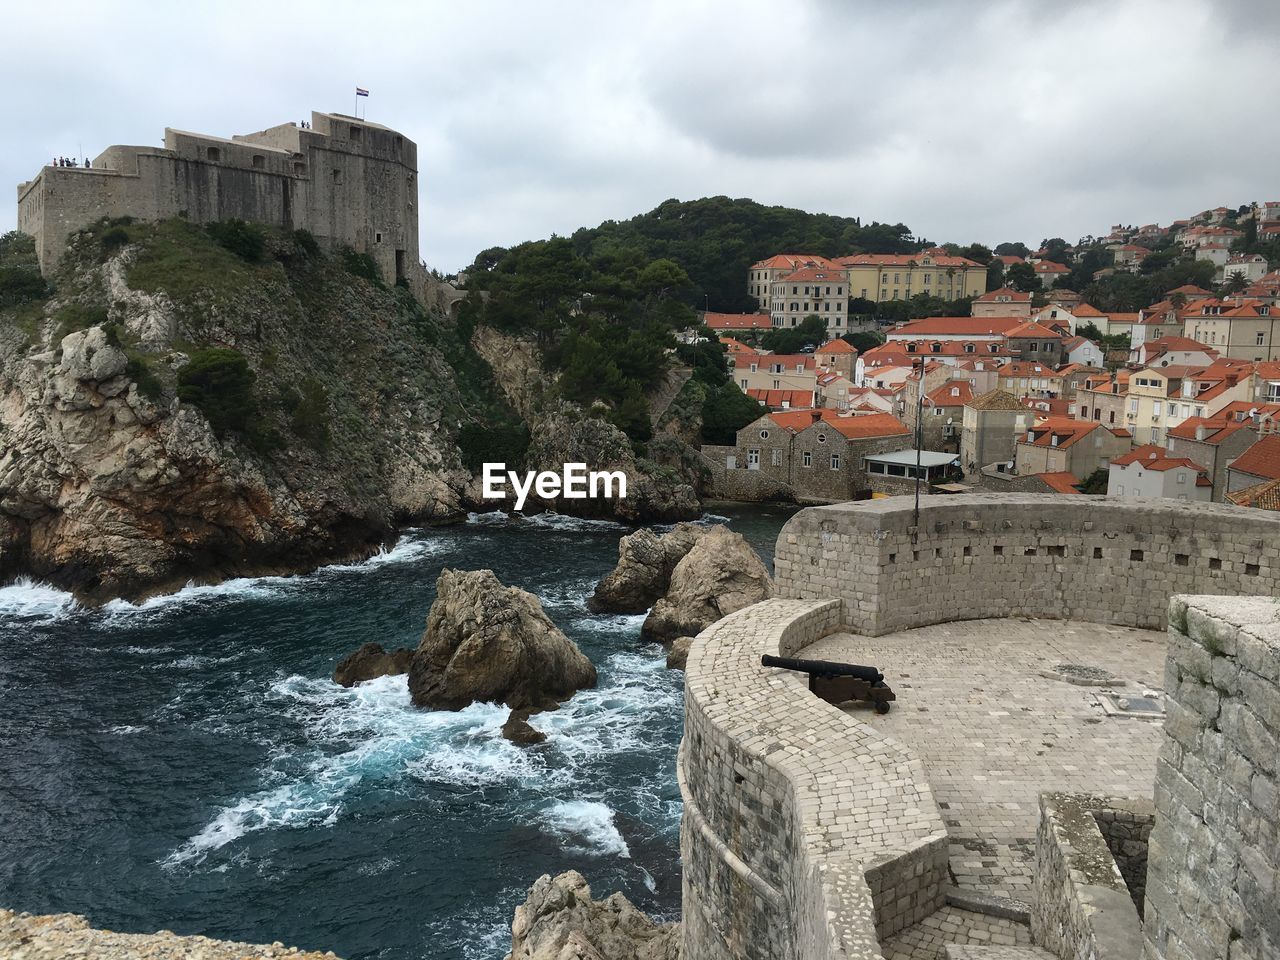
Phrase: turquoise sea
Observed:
(187, 764)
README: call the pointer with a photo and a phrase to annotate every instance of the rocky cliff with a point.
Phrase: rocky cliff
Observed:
(115, 478)
(178, 405)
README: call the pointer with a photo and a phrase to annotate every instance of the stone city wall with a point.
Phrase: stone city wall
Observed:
(1213, 877)
(1081, 907)
(806, 834)
(1023, 555)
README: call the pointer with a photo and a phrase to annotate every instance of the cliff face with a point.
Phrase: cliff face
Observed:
(111, 485)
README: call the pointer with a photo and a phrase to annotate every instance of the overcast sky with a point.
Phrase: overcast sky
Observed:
(981, 121)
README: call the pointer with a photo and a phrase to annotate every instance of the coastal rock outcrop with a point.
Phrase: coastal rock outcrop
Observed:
(560, 921)
(645, 563)
(567, 434)
(518, 730)
(678, 653)
(369, 662)
(486, 642)
(718, 576)
(119, 479)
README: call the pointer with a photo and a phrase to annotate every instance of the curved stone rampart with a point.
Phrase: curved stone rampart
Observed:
(806, 835)
(1023, 555)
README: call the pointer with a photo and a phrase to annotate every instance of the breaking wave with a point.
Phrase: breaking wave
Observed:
(587, 826)
(27, 599)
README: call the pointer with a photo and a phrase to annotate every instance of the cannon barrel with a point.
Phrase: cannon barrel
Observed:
(824, 668)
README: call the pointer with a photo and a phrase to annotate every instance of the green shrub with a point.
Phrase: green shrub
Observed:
(361, 264)
(140, 373)
(305, 241)
(308, 411)
(245, 240)
(500, 442)
(112, 240)
(21, 285)
(726, 411)
(78, 316)
(220, 383)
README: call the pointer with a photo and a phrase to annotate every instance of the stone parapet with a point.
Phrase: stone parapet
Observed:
(806, 833)
(1023, 555)
(1081, 907)
(1213, 877)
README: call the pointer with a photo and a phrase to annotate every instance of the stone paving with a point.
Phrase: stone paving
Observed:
(994, 734)
(950, 925)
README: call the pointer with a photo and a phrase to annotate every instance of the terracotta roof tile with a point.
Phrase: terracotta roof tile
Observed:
(1260, 460)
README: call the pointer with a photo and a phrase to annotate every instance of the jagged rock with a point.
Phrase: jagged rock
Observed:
(560, 921)
(111, 485)
(678, 655)
(518, 730)
(643, 573)
(569, 435)
(485, 642)
(719, 575)
(369, 662)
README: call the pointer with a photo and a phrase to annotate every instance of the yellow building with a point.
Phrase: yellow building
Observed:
(900, 276)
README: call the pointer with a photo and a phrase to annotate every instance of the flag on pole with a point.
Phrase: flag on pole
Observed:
(361, 92)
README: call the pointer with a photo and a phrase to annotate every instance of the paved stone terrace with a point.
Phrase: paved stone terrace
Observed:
(994, 734)
(928, 940)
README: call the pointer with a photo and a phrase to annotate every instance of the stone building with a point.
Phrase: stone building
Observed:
(1004, 302)
(813, 455)
(1213, 443)
(1064, 445)
(349, 182)
(989, 429)
(1149, 471)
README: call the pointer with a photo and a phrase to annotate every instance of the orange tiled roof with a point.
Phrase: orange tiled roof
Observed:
(783, 399)
(809, 274)
(1048, 266)
(953, 393)
(957, 326)
(1031, 328)
(797, 420)
(1261, 460)
(938, 258)
(1261, 496)
(870, 425)
(1059, 482)
(837, 346)
(1004, 294)
(1152, 457)
(737, 321)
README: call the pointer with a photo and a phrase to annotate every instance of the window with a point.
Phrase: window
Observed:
(968, 348)
(355, 134)
(377, 238)
(835, 461)
(1033, 346)
(807, 460)
(1120, 489)
(259, 161)
(1182, 477)
(753, 459)
(1259, 341)
(764, 434)
(777, 458)
(214, 154)
(936, 347)
(994, 348)
(822, 438)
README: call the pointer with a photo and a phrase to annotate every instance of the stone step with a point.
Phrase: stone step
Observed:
(971, 951)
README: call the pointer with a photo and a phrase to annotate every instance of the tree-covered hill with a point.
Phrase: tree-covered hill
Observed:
(716, 239)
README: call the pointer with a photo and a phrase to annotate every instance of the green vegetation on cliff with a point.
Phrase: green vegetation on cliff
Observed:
(716, 239)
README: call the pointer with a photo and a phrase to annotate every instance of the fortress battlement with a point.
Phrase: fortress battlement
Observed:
(349, 182)
(1000, 809)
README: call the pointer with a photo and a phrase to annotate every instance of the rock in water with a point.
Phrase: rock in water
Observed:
(720, 575)
(643, 573)
(518, 730)
(488, 643)
(678, 655)
(560, 921)
(371, 661)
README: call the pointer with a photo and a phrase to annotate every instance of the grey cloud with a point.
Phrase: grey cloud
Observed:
(968, 121)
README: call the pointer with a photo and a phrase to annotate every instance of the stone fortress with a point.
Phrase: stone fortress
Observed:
(1022, 799)
(351, 183)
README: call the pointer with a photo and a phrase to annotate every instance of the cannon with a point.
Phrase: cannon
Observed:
(838, 682)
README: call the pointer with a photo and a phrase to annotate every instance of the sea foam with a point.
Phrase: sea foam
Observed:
(586, 827)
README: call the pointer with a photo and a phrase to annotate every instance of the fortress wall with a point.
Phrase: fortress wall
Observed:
(783, 794)
(348, 183)
(1213, 875)
(1023, 555)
